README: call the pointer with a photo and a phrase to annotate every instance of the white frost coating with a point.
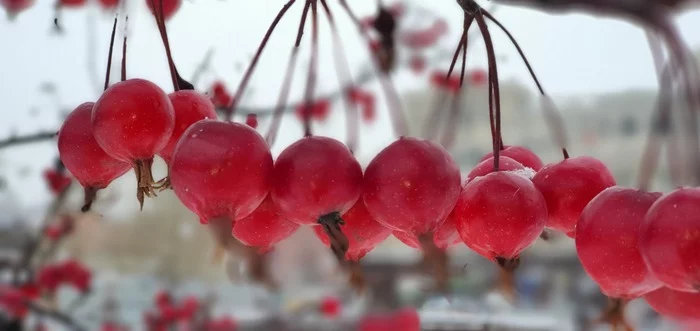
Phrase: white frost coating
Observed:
(554, 121)
(524, 172)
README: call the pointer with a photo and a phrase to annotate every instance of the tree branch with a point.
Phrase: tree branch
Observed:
(28, 139)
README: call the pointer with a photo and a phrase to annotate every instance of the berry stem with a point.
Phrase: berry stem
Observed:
(493, 79)
(160, 22)
(126, 24)
(438, 259)
(271, 135)
(660, 122)
(555, 126)
(449, 134)
(614, 315)
(109, 56)
(339, 243)
(145, 188)
(90, 195)
(344, 80)
(507, 275)
(258, 267)
(398, 119)
(313, 64)
(251, 68)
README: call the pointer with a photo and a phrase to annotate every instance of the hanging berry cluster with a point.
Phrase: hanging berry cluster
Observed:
(633, 243)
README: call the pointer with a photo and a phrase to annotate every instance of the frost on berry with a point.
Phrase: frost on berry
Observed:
(670, 239)
(521, 154)
(82, 155)
(221, 170)
(132, 121)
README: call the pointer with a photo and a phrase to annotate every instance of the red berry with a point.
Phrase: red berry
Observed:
(670, 239)
(417, 64)
(56, 181)
(411, 186)
(424, 38)
(82, 155)
(568, 186)
(223, 324)
(363, 232)
(49, 278)
(318, 110)
(445, 237)
(263, 228)
(479, 78)
(163, 298)
(15, 6)
(221, 170)
(12, 302)
(500, 214)
(220, 96)
(170, 7)
(607, 245)
(252, 121)
(76, 274)
(72, 3)
(132, 121)
(521, 154)
(109, 4)
(675, 304)
(440, 80)
(485, 167)
(315, 177)
(330, 307)
(190, 107)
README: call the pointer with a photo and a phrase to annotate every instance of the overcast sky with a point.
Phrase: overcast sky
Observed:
(573, 55)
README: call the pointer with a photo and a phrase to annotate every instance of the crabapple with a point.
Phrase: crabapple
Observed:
(670, 239)
(132, 121)
(674, 304)
(607, 242)
(189, 106)
(521, 154)
(485, 167)
(445, 237)
(82, 155)
(221, 170)
(170, 7)
(568, 186)
(263, 228)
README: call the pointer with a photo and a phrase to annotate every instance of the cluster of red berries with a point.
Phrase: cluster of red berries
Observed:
(70, 272)
(404, 320)
(13, 300)
(13, 7)
(170, 314)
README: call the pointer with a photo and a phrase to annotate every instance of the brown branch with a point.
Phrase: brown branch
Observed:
(28, 139)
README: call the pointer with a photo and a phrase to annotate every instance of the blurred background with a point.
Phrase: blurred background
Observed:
(598, 70)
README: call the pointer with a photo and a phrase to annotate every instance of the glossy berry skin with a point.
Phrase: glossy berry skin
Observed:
(190, 107)
(133, 120)
(521, 154)
(669, 239)
(263, 228)
(445, 237)
(363, 232)
(500, 214)
(82, 155)
(411, 186)
(485, 167)
(568, 186)
(221, 170)
(313, 177)
(170, 7)
(607, 245)
(673, 304)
